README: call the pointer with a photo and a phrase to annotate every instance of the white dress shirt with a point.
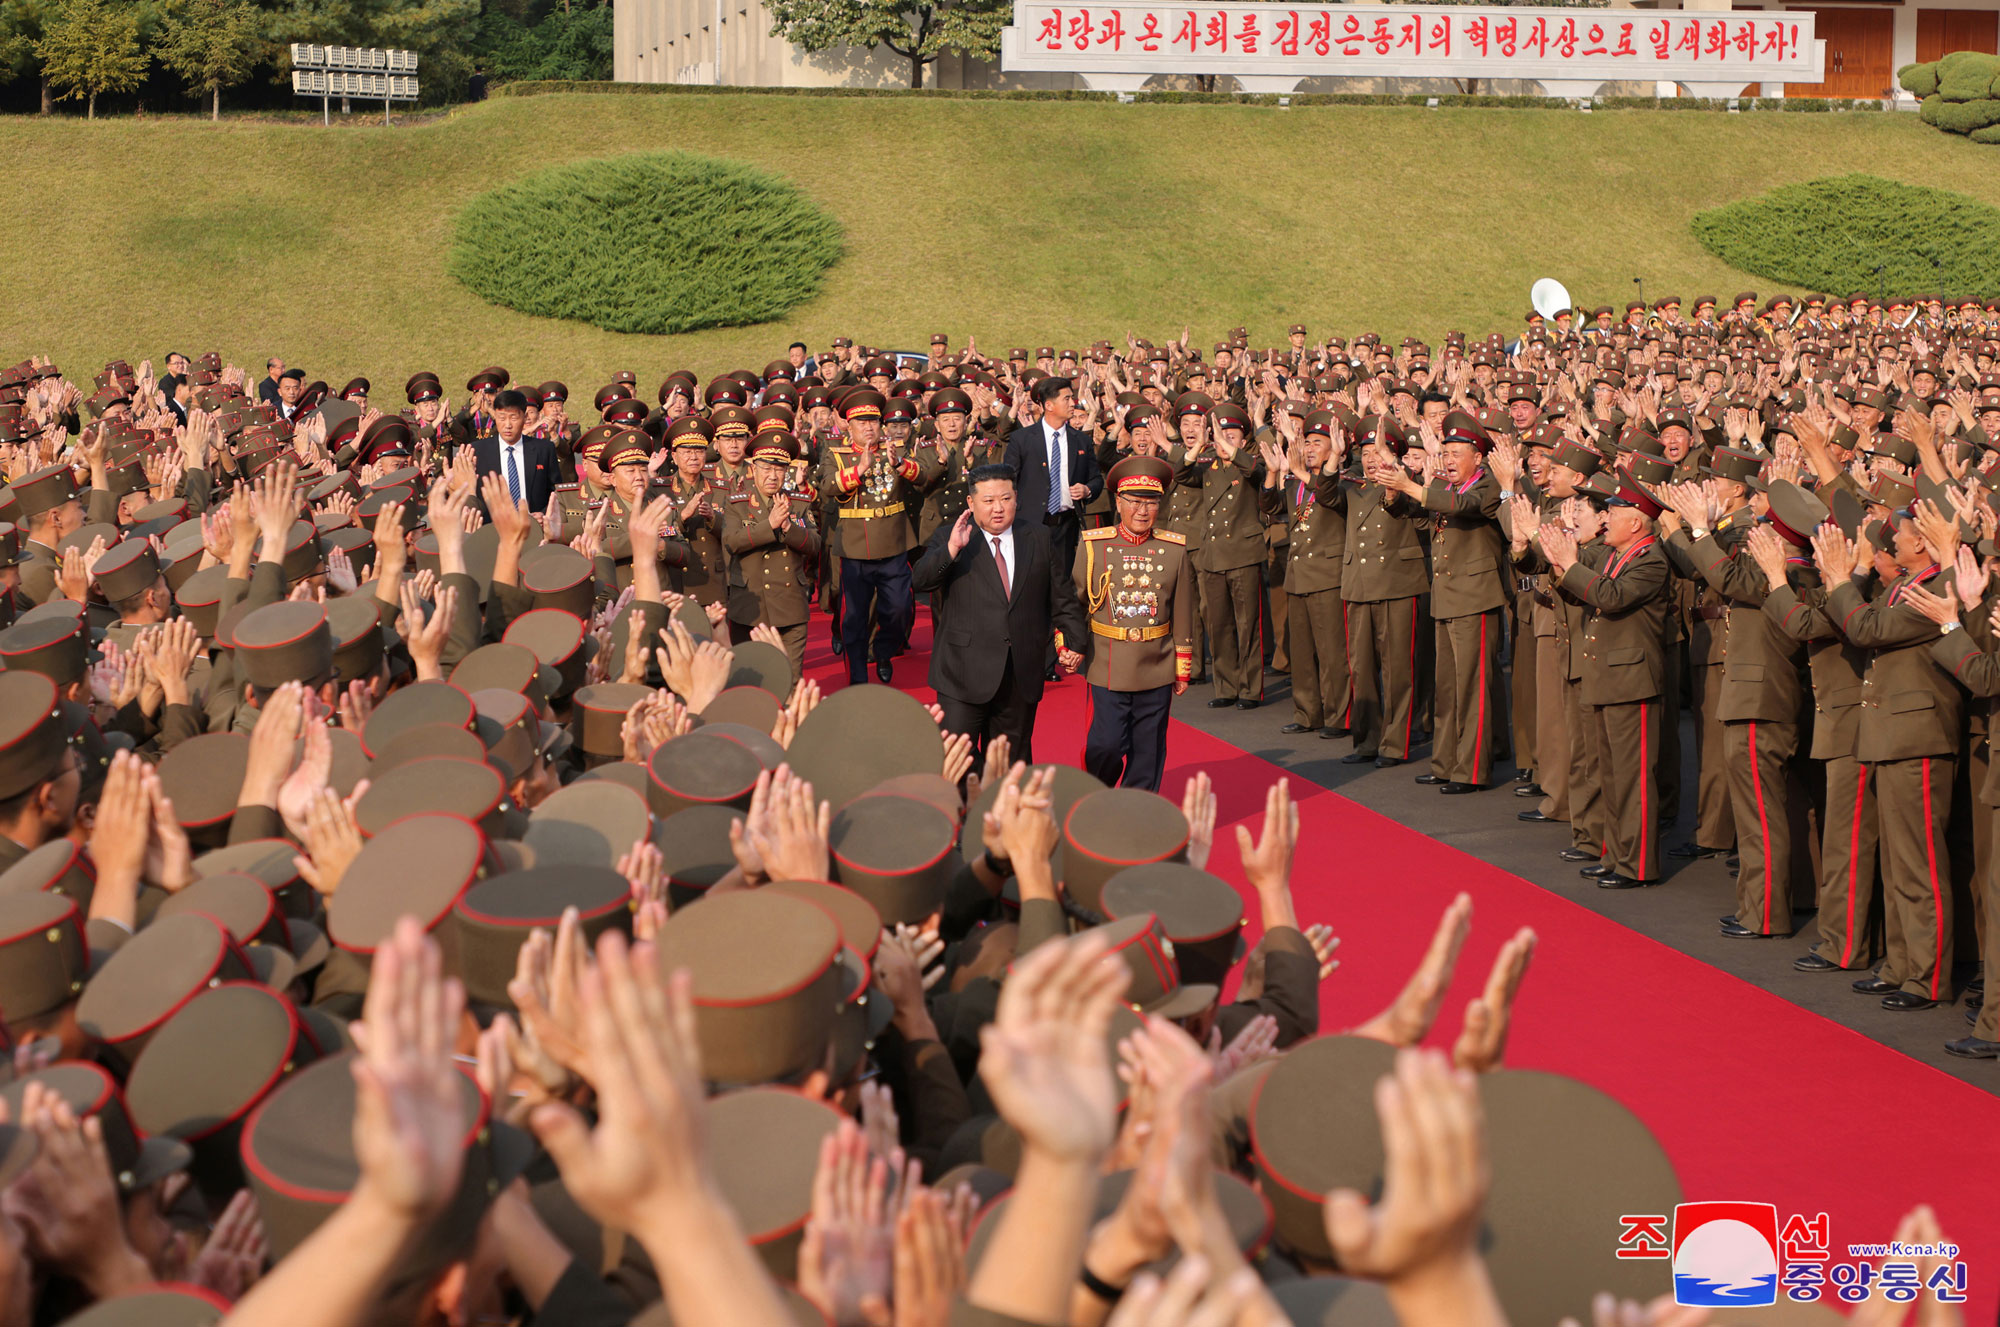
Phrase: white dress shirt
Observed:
(1006, 540)
(1058, 456)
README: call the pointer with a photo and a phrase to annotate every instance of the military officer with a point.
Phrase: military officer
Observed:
(1227, 474)
(698, 508)
(1383, 577)
(872, 491)
(729, 470)
(1137, 585)
(1304, 492)
(773, 549)
(47, 502)
(1623, 584)
(629, 460)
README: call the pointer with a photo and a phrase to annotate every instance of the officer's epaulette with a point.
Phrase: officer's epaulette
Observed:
(1101, 532)
(739, 497)
(1170, 536)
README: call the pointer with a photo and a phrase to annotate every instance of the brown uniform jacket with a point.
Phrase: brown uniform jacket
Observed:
(1969, 656)
(1229, 512)
(39, 565)
(1799, 609)
(774, 568)
(1316, 516)
(872, 510)
(1383, 554)
(1761, 664)
(1909, 707)
(1624, 652)
(1468, 550)
(1183, 514)
(704, 577)
(1140, 598)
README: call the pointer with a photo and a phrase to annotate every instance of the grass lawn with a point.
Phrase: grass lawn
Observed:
(1021, 222)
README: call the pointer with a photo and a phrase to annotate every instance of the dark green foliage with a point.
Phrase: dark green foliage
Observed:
(1990, 134)
(1834, 234)
(1928, 112)
(1919, 80)
(1966, 75)
(652, 243)
(563, 44)
(1962, 117)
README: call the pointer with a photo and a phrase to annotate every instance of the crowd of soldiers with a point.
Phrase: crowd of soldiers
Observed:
(432, 891)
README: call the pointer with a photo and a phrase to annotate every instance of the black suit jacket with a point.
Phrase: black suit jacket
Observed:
(1028, 453)
(539, 474)
(978, 628)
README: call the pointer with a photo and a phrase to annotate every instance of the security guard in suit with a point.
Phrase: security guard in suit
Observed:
(1137, 584)
(1912, 719)
(1312, 505)
(773, 548)
(1227, 473)
(1623, 584)
(1383, 578)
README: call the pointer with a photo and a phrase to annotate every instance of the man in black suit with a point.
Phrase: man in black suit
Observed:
(527, 464)
(1002, 598)
(267, 390)
(1057, 473)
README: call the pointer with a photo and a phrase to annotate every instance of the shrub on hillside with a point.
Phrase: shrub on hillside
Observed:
(1919, 80)
(1962, 117)
(1967, 75)
(653, 243)
(1858, 232)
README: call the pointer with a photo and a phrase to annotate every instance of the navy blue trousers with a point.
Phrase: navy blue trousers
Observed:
(874, 592)
(1127, 744)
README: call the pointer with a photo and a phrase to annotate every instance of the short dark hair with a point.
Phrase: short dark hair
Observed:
(1048, 389)
(297, 375)
(797, 345)
(510, 400)
(993, 470)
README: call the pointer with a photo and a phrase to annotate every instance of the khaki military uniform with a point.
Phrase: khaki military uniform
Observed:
(770, 571)
(1912, 715)
(1759, 704)
(1182, 515)
(617, 547)
(1624, 669)
(1229, 566)
(1139, 595)
(1383, 576)
(1468, 603)
(1848, 935)
(39, 565)
(1703, 614)
(1969, 656)
(704, 577)
(872, 534)
(1315, 518)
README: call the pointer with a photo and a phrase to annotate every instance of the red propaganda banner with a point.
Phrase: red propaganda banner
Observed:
(1450, 41)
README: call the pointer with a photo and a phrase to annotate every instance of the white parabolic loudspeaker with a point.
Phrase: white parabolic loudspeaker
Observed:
(1548, 295)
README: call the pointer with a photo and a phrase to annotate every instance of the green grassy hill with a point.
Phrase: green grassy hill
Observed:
(1017, 221)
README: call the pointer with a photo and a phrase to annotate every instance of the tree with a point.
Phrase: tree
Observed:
(917, 30)
(92, 46)
(211, 45)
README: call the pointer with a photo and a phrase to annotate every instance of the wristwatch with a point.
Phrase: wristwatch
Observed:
(1947, 628)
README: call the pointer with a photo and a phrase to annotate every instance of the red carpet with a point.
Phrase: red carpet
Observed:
(1754, 1098)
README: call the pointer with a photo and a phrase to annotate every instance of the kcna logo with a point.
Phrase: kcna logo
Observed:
(1725, 1254)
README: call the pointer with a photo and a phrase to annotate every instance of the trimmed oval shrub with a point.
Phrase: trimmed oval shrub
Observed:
(654, 243)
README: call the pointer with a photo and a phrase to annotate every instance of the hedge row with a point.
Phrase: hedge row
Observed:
(653, 243)
(1961, 92)
(1858, 232)
(1163, 97)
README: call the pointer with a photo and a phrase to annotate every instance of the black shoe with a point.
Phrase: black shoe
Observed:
(1732, 863)
(1535, 817)
(1458, 789)
(1328, 734)
(1053, 674)
(838, 648)
(1577, 855)
(1694, 851)
(1973, 1048)
(1735, 930)
(1873, 985)
(1297, 728)
(1219, 703)
(1617, 881)
(1726, 918)
(1524, 776)
(1906, 1000)
(884, 670)
(1388, 762)
(1529, 790)
(1601, 869)
(1811, 962)
(1357, 757)
(1247, 704)
(1431, 780)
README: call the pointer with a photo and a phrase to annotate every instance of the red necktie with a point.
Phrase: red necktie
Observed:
(1000, 561)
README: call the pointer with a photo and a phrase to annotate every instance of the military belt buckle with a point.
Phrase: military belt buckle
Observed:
(1132, 633)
